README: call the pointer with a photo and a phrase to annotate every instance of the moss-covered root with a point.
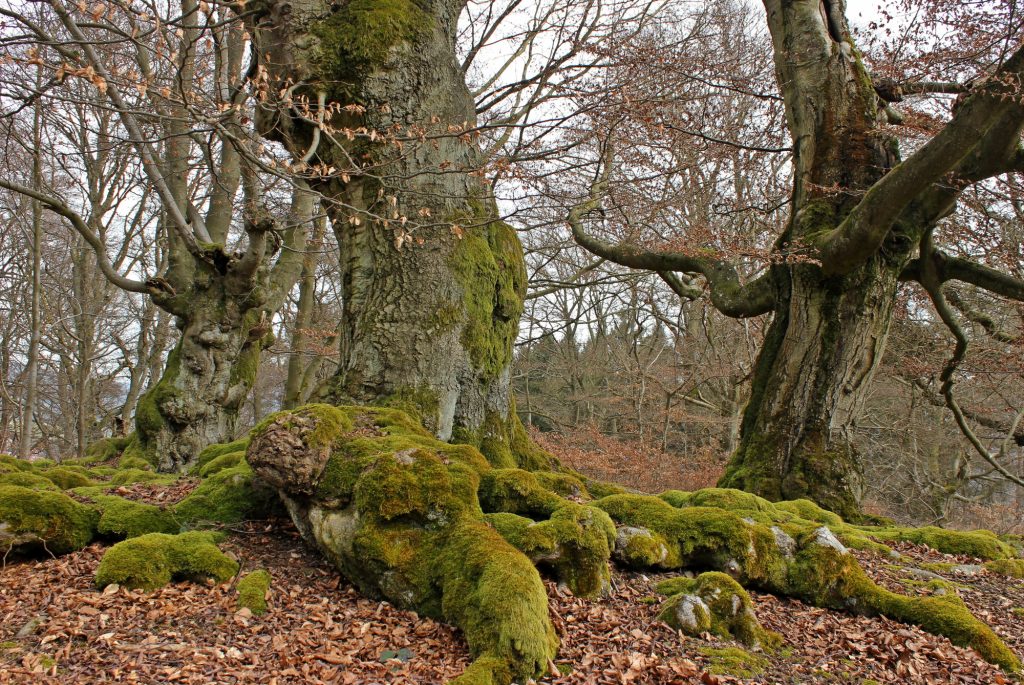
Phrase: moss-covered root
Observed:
(575, 542)
(714, 602)
(41, 521)
(252, 591)
(828, 575)
(494, 593)
(151, 561)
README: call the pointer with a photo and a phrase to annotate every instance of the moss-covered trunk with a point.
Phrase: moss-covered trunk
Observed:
(208, 375)
(810, 379)
(433, 280)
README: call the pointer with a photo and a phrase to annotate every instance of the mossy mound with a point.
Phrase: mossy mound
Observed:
(67, 477)
(27, 479)
(33, 521)
(214, 451)
(397, 512)
(132, 461)
(121, 518)
(714, 602)
(228, 496)
(15, 463)
(224, 461)
(151, 561)
(1014, 568)
(252, 591)
(735, 662)
(129, 476)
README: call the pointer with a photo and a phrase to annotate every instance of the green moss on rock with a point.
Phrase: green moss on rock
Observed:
(67, 477)
(1014, 568)
(228, 496)
(122, 518)
(734, 661)
(27, 479)
(808, 510)
(218, 450)
(151, 561)
(224, 461)
(518, 492)
(714, 602)
(252, 591)
(15, 463)
(43, 521)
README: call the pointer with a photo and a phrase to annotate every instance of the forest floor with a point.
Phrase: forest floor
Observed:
(56, 627)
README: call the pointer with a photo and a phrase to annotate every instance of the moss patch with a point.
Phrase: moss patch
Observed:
(122, 518)
(228, 496)
(734, 661)
(151, 561)
(67, 477)
(1013, 568)
(43, 521)
(27, 479)
(252, 591)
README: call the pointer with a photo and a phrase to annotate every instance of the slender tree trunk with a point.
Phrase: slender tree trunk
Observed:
(35, 319)
(294, 389)
(433, 282)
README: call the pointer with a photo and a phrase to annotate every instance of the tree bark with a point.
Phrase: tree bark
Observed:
(433, 281)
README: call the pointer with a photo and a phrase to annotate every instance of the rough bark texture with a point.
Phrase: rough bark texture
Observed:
(433, 281)
(829, 331)
(206, 379)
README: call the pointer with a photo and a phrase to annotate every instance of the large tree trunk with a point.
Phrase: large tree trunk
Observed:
(829, 331)
(433, 281)
(809, 382)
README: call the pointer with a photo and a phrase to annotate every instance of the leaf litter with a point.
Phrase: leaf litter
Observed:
(56, 627)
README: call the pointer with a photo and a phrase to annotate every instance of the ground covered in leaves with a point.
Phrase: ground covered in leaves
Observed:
(56, 627)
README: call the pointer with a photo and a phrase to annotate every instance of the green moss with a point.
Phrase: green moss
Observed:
(518, 492)
(808, 510)
(981, 544)
(488, 264)
(412, 483)
(41, 520)
(228, 496)
(1013, 568)
(105, 449)
(133, 461)
(252, 591)
(224, 461)
(357, 39)
(484, 578)
(729, 499)
(1017, 611)
(130, 476)
(27, 479)
(563, 484)
(214, 451)
(828, 578)
(122, 518)
(714, 602)
(67, 477)
(419, 403)
(575, 543)
(734, 661)
(151, 561)
(149, 418)
(15, 463)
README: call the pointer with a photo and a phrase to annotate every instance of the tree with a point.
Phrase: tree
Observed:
(158, 105)
(861, 221)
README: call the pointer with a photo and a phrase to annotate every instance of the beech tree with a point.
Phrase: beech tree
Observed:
(861, 221)
(160, 111)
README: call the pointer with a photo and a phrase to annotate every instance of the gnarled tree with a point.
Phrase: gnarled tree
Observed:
(861, 221)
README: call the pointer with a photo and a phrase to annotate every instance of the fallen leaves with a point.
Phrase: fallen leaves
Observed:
(320, 630)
